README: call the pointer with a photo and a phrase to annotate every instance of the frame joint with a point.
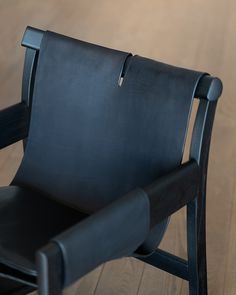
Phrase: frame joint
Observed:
(32, 38)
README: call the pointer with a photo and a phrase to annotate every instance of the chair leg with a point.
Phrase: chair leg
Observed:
(49, 266)
(196, 238)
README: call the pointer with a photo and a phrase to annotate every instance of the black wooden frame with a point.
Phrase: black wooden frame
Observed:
(14, 121)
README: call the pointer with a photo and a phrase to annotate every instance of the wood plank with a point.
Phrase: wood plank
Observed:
(86, 285)
(120, 277)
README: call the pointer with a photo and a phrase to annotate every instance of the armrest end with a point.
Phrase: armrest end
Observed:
(114, 232)
(49, 266)
(173, 191)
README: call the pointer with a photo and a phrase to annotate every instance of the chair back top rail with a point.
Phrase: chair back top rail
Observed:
(209, 88)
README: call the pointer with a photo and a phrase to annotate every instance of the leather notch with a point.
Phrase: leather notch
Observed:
(124, 69)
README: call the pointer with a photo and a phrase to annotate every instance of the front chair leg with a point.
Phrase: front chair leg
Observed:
(49, 267)
(196, 239)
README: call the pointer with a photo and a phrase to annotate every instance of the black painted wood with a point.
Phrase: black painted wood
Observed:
(209, 88)
(168, 262)
(18, 276)
(32, 38)
(196, 210)
(50, 268)
(14, 124)
(30, 65)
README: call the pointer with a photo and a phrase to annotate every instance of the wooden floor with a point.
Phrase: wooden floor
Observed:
(199, 34)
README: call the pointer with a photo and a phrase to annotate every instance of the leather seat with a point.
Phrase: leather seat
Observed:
(25, 213)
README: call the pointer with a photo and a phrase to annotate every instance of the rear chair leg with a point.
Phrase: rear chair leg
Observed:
(196, 239)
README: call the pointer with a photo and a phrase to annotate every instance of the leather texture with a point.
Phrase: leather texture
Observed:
(91, 141)
(114, 232)
(28, 220)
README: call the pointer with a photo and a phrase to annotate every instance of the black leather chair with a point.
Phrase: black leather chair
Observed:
(104, 133)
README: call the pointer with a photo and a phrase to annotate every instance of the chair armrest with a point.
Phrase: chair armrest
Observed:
(14, 124)
(172, 191)
(113, 232)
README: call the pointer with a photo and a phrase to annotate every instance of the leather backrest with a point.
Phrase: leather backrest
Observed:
(92, 141)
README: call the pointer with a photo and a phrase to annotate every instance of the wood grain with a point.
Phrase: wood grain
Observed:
(190, 33)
